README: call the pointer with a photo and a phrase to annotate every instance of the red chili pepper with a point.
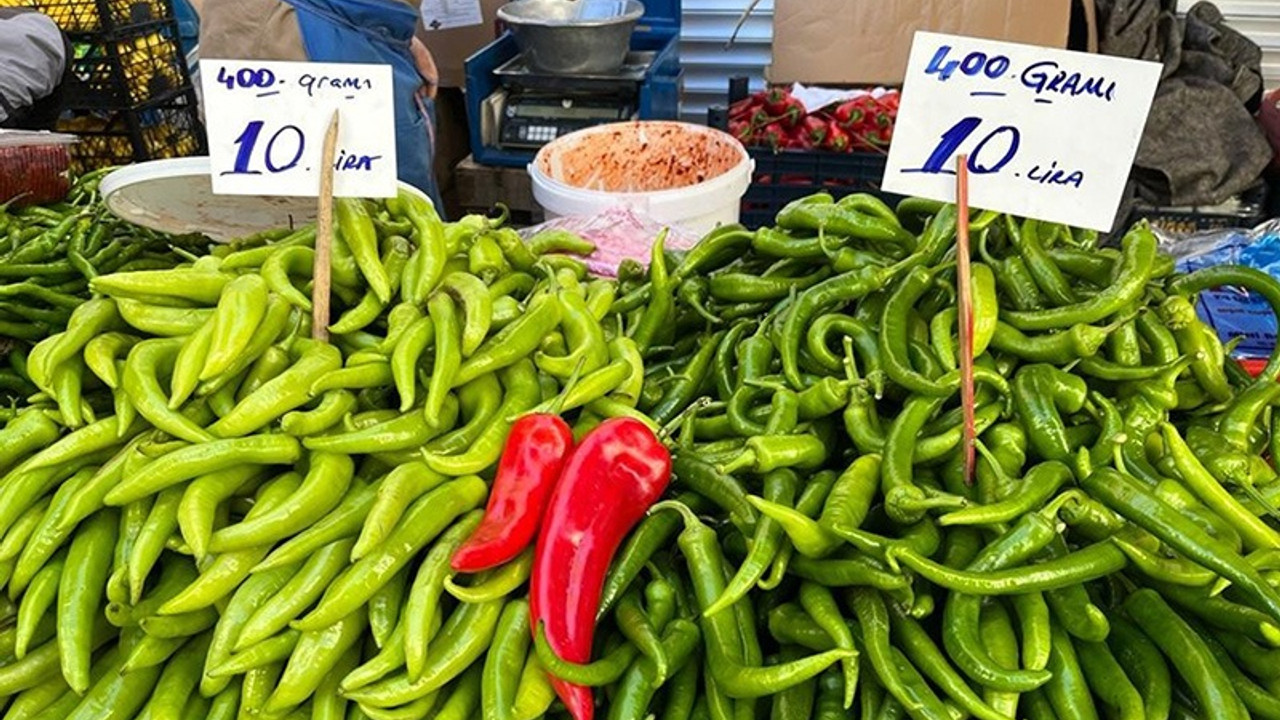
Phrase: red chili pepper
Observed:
(740, 130)
(773, 135)
(794, 114)
(776, 100)
(536, 450)
(612, 478)
(838, 140)
(882, 137)
(815, 129)
(848, 114)
(800, 141)
(744, 107)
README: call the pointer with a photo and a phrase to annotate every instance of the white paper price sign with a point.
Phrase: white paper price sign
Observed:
(267, 121)
(1050, 134)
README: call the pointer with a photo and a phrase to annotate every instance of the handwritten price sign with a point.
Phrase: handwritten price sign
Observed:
(267, 120)
(1050, 134)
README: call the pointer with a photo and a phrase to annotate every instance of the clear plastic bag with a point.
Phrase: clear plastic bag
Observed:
(618, 233)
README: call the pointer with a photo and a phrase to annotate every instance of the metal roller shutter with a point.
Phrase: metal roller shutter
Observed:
(706, 25)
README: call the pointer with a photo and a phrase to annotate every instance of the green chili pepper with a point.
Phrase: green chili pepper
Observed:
(702, 553)
(513, 342)
(462, 640)
(1067, 691)
(779, 487)
(814, 215)
(1187, 652)
(190, 462)
(898, 677)
(1095, 561)
(425, 519)
(1040, 393)
(1127, 497)
(837, 290)
(1136, 264)
(358, 233)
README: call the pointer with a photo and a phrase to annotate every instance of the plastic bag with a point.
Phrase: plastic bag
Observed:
(1234, 312)
(618, 233)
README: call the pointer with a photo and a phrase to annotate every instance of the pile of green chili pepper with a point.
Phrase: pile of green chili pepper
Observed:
(205, 513)
(48, 255)
(1116, 554)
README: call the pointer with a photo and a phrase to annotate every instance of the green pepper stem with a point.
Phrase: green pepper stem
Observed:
(686, 514)
(745, 460)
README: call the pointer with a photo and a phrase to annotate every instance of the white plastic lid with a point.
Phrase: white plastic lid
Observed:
(176, 196)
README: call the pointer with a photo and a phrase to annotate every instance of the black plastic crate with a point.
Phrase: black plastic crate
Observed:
(787, 175)
(160, 130)
(782, 176)
(1251, 210)
(80, 18)
(129, 70)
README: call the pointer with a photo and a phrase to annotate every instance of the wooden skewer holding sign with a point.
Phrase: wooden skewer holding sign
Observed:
(964, 291)
(324, 237)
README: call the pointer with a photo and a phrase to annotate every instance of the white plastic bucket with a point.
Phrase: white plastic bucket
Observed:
(680, 174)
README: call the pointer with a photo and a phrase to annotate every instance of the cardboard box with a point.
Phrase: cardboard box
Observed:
(847, 42)
(481, 187)
(452, 47)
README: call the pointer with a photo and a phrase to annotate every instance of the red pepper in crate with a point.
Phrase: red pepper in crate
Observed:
(882, 137)
(740, 130)
(774, 135)
(616, 473)
(799, 140)
(816, 130)
(536, 450)
(746, 106)
(794, 113)
(848, 114)
(758, 118)
(882, 119)
(776, 101)
(838, 140)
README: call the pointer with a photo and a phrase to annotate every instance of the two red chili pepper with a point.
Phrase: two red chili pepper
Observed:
(581, 502)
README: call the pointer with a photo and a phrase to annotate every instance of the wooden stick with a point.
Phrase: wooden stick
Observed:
(324, 237)
(964, 292)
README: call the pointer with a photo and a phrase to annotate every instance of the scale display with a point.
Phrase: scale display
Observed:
(531, 122)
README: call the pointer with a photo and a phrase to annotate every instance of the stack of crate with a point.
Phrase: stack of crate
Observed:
(129, 97)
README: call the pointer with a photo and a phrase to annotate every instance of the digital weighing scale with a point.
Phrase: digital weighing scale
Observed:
(540, 107)
(513, 110)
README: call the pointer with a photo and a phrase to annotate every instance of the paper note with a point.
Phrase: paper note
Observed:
(1050, 134)
(446, 14)
(266, 123)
